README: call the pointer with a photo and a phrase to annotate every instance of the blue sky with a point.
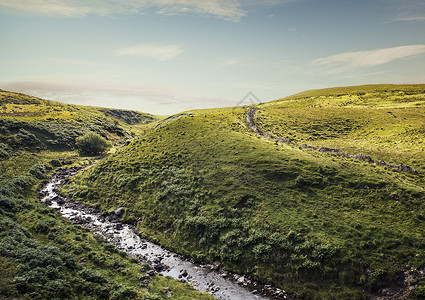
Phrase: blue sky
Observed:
(163, 56)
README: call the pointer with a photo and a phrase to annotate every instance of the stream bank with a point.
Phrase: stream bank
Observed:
(203, 277)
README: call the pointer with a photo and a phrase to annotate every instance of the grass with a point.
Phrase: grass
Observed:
(36, 124)
(385, 122)
(43, 255)
(317, 225)
(204, 184)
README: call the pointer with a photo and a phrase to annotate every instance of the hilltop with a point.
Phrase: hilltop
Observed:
(319, 225)
(385, 122)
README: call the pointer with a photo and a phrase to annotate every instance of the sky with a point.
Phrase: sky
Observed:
(164, 56)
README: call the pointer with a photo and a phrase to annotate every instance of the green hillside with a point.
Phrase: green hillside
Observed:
(42, 255)
(35, 124)
(319, 225)
(385, 122)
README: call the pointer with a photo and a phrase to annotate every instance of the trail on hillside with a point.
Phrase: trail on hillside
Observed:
(250, 117)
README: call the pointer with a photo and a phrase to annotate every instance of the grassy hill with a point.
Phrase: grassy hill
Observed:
(42, 255)
(319, 225)
(36, 124)
(385, 122)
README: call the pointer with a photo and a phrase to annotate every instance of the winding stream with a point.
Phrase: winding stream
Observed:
(206, 278)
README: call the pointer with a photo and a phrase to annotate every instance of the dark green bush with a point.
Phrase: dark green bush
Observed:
(6, 203)
(27, 139)
(58, 289)
(8, 272)
(92, 276)
(5, 151)
(39, 171)
(92, 144)
(418, 293)
(124, 293)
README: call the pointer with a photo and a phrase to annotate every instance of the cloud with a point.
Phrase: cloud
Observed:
(230, 61)
(53, 8)
(352, 60)
(408, 10)
(225, 9)
(412, 19)
(154, 51)
(230, 9)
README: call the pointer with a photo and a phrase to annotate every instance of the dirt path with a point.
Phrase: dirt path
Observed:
(250, 118)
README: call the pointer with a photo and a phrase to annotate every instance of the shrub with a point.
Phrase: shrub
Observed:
(8, 272)
(5, 151)
(27, 139)
(39, 171)
(300, 181)
(92, 276)
(58, 288)
(92, 144)
(418, 292)
(124, 293)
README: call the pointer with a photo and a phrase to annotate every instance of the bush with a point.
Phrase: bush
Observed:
(300, 181)
(92, 144)
(27, 139)
(92, 276)
(39, 171)
(418, 292)
(124, 293)
(8, 272)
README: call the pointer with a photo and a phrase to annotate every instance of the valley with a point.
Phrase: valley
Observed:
(245, 188)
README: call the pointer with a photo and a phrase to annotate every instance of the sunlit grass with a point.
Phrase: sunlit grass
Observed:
(207, 186)
(388, 124)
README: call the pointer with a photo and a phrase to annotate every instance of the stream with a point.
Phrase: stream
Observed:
(203, 277)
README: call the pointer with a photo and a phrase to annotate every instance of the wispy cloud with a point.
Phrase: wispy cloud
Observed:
(408, 10)
(230, 61)
(225, 9)
(53, 8)
(154, 51)
(352, 60)
(412, 18)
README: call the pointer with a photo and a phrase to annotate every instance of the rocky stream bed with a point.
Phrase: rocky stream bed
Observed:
(203, 277)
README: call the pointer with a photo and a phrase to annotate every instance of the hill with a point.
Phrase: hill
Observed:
(385, 122)
(37, 124)
(319, 225)
(45, 256)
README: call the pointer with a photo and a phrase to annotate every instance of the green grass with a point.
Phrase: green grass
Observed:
(43, 255)
(314, 224)
(385, 122)
(35, 124)
(204, 184)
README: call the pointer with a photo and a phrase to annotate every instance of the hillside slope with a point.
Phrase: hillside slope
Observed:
(385, 122)
(35, 124)
(42, 255)
(317, 225)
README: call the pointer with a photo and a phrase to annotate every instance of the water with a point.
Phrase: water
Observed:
(206, 278)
